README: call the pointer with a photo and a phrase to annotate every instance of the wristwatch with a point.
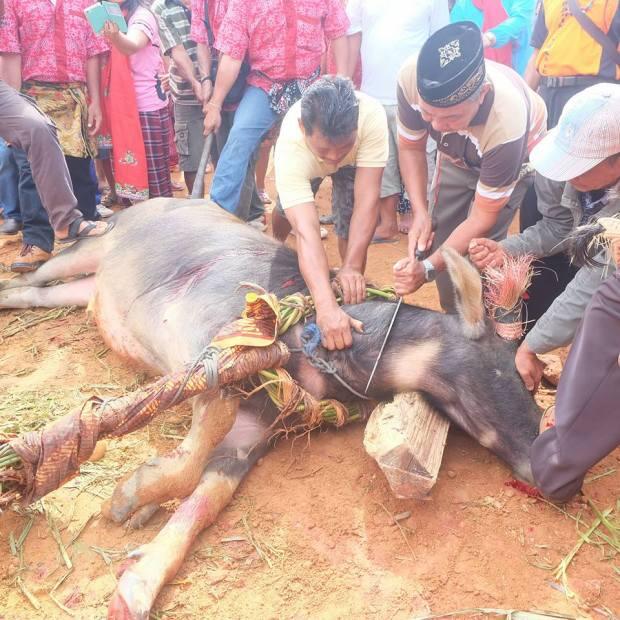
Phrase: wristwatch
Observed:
(429, 270)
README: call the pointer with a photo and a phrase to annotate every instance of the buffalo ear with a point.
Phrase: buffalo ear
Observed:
(467, 292)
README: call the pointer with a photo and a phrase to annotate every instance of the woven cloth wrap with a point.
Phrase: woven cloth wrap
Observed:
(53, 455)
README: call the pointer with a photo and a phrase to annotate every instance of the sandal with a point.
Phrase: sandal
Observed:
(108, 199)
(75, 234)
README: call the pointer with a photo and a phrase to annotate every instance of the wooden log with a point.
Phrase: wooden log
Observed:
(407, 438)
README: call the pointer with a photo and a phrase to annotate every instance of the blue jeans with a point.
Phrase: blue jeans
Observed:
(9, 179)
(253, 119)
(37, 230)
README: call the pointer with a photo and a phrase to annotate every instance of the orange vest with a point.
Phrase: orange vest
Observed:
(568, 48)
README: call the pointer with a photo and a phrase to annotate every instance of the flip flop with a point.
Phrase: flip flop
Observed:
(75, 234)
(378, 240)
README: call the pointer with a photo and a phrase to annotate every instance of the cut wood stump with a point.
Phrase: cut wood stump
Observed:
(407, 438)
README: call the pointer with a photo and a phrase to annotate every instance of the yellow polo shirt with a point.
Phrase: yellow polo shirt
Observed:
(296, 165)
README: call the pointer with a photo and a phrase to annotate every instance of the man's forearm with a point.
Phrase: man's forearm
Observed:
(340, 49)
(227, 73)
(314, 267)
(203, 54)
(183, 63)
(11, 70)
(354, 44)
(93, 73)
(414, 170)
(364, 219)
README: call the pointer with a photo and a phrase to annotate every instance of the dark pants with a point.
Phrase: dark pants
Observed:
(553, 273)
(84, 187)
(587, 424)
(37, 230)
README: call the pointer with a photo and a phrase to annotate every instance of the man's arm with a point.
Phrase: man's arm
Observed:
(185, 66)
(548, 235)
(355, 44)
(334, 323)
(227, 73)
(93, 73)
(340, 49)
(367, 189)
(11, 70)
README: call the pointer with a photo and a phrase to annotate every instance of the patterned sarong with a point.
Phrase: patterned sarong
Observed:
(66, 105)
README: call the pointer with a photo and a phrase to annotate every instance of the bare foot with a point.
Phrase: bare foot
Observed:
(404, 223)
(99, 228)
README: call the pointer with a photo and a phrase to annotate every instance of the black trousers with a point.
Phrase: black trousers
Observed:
(552, 273)
(37, 229)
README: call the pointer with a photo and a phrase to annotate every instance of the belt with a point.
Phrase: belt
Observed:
(574, 80)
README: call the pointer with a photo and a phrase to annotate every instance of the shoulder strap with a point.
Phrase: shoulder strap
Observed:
(593, 30)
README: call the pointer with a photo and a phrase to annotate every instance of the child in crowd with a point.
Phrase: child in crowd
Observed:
(137, 127)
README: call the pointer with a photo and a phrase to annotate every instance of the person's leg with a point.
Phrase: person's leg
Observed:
(23, 126)
(189, 140)
(343, 183)
(279, 223)
(84, 187)
(587, 425)
(387, 227)
(253, 118)
(452, 195)
(38, 236)
(155, 137)
(262, 162)
(9, 196)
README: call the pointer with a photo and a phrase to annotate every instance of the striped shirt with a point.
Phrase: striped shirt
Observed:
(174, 20)
(497, 142)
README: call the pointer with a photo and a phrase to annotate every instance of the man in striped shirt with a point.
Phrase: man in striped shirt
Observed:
(186, 86)
(485, 121)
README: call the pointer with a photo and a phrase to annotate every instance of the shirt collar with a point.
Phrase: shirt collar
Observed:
(484, 110)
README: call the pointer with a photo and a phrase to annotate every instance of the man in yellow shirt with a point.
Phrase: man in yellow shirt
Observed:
(333, 131)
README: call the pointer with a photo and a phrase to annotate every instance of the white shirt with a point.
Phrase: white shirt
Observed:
(392, 31)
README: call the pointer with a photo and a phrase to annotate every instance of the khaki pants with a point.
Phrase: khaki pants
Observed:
(23, 126)
(452, 195)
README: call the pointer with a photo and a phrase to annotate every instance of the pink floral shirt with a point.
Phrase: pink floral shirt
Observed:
(283, 39)
(54, 41)
(217, 11)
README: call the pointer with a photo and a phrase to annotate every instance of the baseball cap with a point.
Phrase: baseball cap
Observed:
(587, 133)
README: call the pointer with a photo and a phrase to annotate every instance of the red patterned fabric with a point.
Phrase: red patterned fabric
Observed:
(156, 135)
(493, 14)
(283, 39)
(54, 41)
(217, 11)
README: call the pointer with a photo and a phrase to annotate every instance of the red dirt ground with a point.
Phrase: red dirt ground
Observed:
(318, 509)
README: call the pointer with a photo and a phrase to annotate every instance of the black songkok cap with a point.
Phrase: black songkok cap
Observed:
(451, 65)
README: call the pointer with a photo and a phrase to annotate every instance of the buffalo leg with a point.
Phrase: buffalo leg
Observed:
(81, 258)
(76, 293)
(176, 474)
(151, 566)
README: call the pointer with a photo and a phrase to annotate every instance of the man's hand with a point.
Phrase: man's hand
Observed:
(94, 118)
(420, 231)
(486, 253)
(352, 284)
(488, 39)
(529, 367)
(409, 276)
(164, 80)
(335, 325)
(213, 118)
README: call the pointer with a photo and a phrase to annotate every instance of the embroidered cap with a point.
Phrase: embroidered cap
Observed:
(451, 65)
(587, 133)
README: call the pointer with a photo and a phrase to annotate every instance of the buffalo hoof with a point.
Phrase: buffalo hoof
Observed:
(131, 601)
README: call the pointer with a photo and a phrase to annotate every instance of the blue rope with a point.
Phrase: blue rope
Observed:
(311, 339)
